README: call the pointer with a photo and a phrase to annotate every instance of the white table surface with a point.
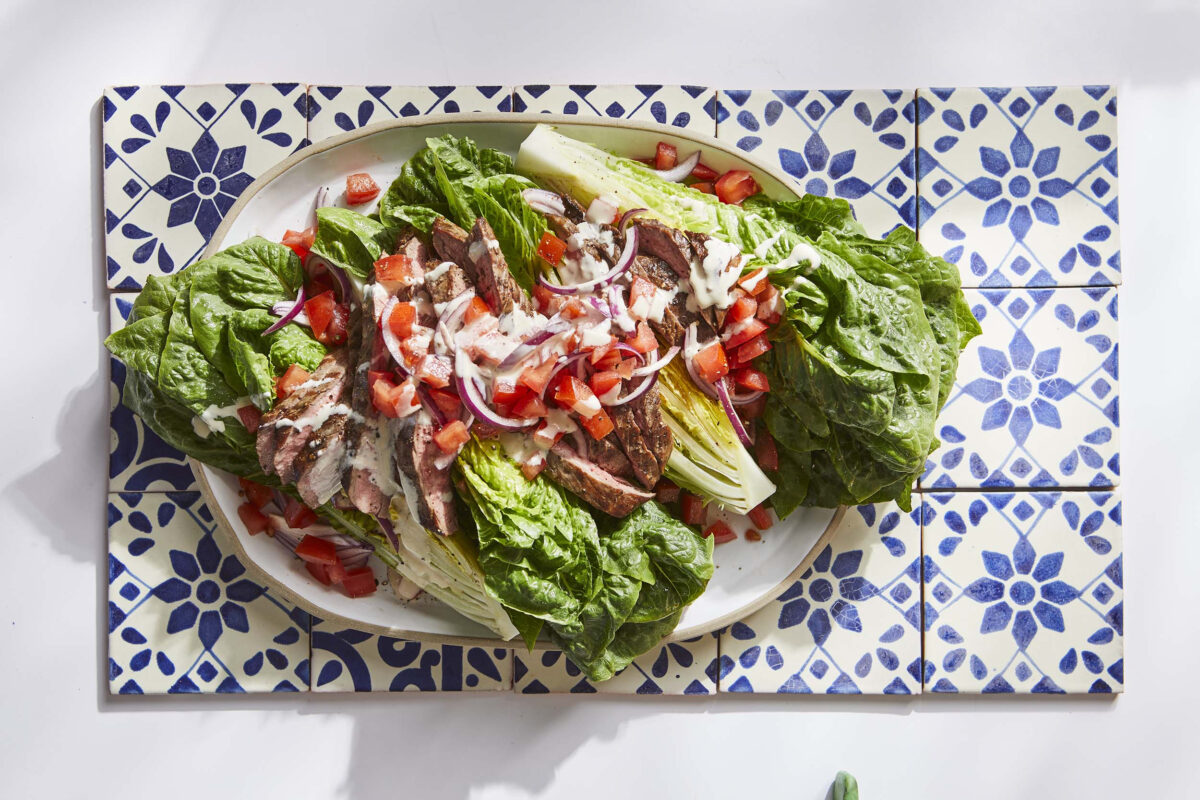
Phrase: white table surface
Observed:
(61, 735)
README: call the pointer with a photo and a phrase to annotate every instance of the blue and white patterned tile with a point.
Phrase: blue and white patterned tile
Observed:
(182, 615)
(138, 460)
(857, 145)
(346, 660)
(176, 158)
(1035, 403)
(334, 110)
(1024, 592)
(850, 625)
(1018, 186)
(689, 107)
(679, 668)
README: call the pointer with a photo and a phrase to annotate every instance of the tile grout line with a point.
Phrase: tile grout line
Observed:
(921, 495)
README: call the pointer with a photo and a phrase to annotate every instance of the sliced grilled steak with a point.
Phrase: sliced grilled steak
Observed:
(427, 489)
(322, 461)
(602, 490)
(676, 317)
(562, 227)
(641, 457)
(362, 480)
(445, 281)
(450, 241)
(487, 267)
(671, 245)
(609, 456)
(572, 210)
(290, 423)
(647, 411)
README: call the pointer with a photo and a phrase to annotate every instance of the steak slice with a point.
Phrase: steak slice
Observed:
(609, 456)
(322, 461)
(289, 424)
(449, 241)
(572, 210)
(600, 489)
(641, 457)
(427, 489)
(487, 267)
(362, 481)
(445, 281)
(676, 316)
(671, 245)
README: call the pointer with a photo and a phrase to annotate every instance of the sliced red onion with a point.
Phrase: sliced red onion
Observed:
(389, 531)
(289, 313)
(624, 348)
(623, 263)
(554, 326)
(690, 348)
(544, 201)
(601, 211)
(655, 365)
(681, 170)
(600, 306)
(472, 397)
(563, 363)
(745, 399)
(731, 412)
(451, 315)
(429, 405)
(620, 313)
(638, 391)
(628, 215)
(389, 336)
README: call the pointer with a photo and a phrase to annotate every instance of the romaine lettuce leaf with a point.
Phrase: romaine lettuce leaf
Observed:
(351, 240)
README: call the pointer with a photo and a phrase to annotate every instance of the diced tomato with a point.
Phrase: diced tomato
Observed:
(742, 308)
(691, 509)
(335, 572)
(760, 517)
(360, 188)
(475, 309)
(447, 401)
(625, 368)
(529, 406)
(294, 376)
(546, 301)
(394, 272)
(383, 391)
(704, 173)
(452, 436)
(599, 426)
(643, 341)
(254, 520)
(435, 371)
(735, 186)
(300, 242)
(754, 282)
(641, 289)
(770, 305)
(531, 470)
(649, 162)
(328, 318)
(605, 356)
(544, 438)
(250, 417)
(666, 491)
(753, 535)
(665, 156)
(534, 378)
(359, 582)
(751, 350)
(551, 248)
(505, 391)
(720, 532)
(573, 308)
(765, 451)
(752, 379)
(298, 515)
(742, 332)
(256, 493)
(319, 571)
(711, 362)
(754, 409)
(317, 550)
(401, 320)
(415, 348)
(572, 393)
(704, 187)
(601, 382)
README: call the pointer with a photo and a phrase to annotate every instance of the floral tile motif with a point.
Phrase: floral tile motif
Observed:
(690, 107)
(679, 668)
(347, 660)
(1024, 592)
(176, 158)
(182, 615)
(850, 625)
(1018, 186)
(857, 145)
(334, 110)
(1036, 399)
(138, 461)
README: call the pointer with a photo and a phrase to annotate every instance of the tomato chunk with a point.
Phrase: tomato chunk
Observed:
(383, 389)
(752, 379)
(531, 469)
(298, 515)
(704, 187)
(691, 509)
(452, 436)
(250, 417)
(704, 173)
(319, 571)
(300, 242)
(294, 376)
(551, 248)
(766, 451)
(546, 301)
(256, 493)
(770, 304)
(601, 382)
(606, 356)
(447, 401)
(598, 426)
(505, 391)
(359, 582)
(665, 156)
(328, 318)
(476, 308)
(641, 296)
(317, 550)
(394, 272)
(754, 282)
(360, 188)
(574, 394)
(435, 371)
(573, 308)
(666, 491)
(711, 362)
(625, 368)
(530, 406)
(254, 520)
(760, 517)
(742, 332)
(735, 186)
(751, 350)
(742, 308)
(534, 378)
(720, 532)
(752, 535)
(643, 341)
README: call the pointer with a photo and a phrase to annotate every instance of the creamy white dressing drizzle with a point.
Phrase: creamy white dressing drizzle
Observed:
(659, 302)
(209, 420)
(438, 271)
(761, 251)
(315, 421)
(712, 278)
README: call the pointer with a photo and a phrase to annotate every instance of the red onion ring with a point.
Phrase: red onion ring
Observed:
(385, 525)
(291, 314)
(623, 263)
(628, 215)
(472, 397)
(553, 327)
(727, 405)
(389, 336)
(641, 389)
(681, 170)
(544, 201)
(745, 399)
(563, 363)
(429, 405)
(655, 365)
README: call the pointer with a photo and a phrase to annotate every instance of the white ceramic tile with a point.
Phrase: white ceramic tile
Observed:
(850, 625)
(183, 617)
(683, 668)
(1036, 399)
(1024, 592)
(335, 110)
(690, 107)
(857, 145)
(1018, 186)
(176, 158)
